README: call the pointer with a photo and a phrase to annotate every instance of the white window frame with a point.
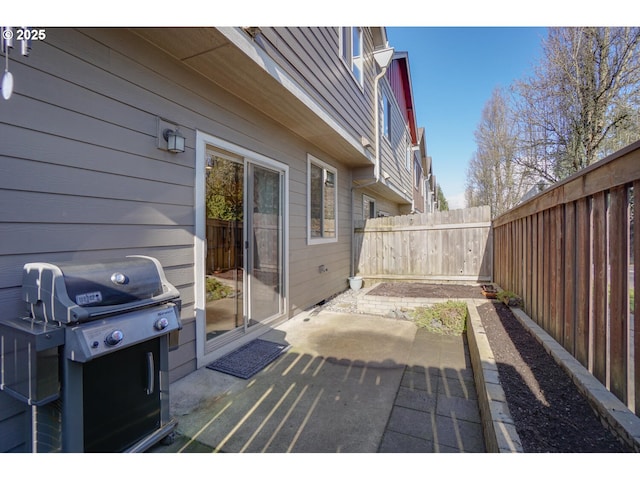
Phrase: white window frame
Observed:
(372, 202)
(417, 173)
(386, 117)
(311, 160)
(353, 60)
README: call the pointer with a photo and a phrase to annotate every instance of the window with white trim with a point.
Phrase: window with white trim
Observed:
(351, 50)
(417, 174)
(368, 207)
(386, 117)
(322, 202)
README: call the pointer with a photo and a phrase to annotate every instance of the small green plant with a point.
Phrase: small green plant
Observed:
(509, 298)
(447, 318)
(217, 290)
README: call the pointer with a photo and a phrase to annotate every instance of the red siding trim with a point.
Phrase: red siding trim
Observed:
(400, 82)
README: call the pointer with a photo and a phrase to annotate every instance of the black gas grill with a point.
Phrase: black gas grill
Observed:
(92, 356)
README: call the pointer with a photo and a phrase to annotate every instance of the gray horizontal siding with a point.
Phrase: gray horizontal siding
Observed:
(33, 175)
(19, 238)
(48, 148)
(91, 209)
(308, 285)
(312, 57)
(133, 174)
(81, 176)
(82, 179)
(16, 419)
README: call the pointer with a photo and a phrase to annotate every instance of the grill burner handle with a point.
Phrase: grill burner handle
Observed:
(151, 369)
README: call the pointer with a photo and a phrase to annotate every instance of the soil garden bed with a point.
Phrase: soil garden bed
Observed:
(549, 412)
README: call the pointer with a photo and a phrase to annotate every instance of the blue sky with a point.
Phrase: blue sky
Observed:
(453, 73)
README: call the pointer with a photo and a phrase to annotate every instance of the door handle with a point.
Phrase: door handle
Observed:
(151, 370)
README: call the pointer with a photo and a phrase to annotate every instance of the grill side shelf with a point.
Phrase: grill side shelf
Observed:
(29, 360)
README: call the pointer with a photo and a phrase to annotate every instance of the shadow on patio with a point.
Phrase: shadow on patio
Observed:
(349, 383)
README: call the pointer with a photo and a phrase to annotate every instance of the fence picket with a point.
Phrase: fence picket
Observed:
(546, 319)
(533, 301)
(599, 311)
(540, 270)
(618, 291)
(636, 305)
(582, 280)
(570, 251)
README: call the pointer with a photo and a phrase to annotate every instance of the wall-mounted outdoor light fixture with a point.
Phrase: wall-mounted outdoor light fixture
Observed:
(175, 140)
(168, 136)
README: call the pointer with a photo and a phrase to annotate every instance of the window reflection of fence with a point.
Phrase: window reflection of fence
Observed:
(224, 245)
(568, 252)
(266, 238)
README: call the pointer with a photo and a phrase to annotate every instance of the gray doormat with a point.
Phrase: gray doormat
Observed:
(249, 359)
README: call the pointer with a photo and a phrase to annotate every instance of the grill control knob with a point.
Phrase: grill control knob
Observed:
(114, 338)
(161, 323)
(119, 278)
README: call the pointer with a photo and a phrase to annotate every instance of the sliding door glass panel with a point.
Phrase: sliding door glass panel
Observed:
(265, 244)
(224, 236)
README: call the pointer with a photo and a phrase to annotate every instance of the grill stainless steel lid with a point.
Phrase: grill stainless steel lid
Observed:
(77, 292)
(112, 283)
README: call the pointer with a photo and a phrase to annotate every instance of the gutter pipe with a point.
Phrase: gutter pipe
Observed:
(383, 59)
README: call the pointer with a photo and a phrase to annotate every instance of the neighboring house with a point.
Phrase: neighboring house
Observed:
(423, 183)
(288, 115)
(436, 199)
(420, 166)
(430, 194)
(430, 188)
(386, 188)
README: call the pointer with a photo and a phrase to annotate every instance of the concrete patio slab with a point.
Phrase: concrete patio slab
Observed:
(337, 389)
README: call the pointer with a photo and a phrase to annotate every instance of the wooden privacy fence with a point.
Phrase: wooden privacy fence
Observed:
(568, 252)
(224, 244)
(453, 246)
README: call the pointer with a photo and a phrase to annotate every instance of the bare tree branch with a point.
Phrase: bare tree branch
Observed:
(582, 99)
